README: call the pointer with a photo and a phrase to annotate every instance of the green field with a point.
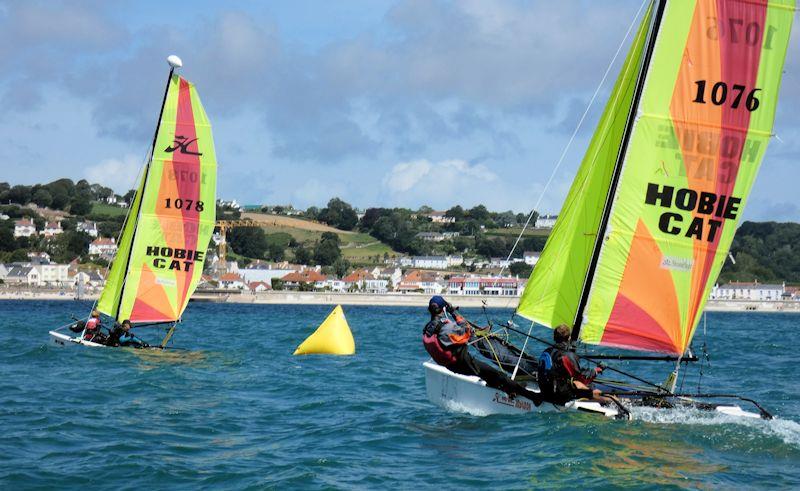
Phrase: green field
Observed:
(356, 247)
(514, 231)
(106, 209)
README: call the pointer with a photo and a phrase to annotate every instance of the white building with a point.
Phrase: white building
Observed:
(425, 262)
(22, 275)
(748, 291)
(231, 281)
(440, 217)
(103, 247)
(24, 228)
(546, 221)
(531, 257)
(53, 274)
(52, 229)
(483, 285)
(260, 271)
(87, 227)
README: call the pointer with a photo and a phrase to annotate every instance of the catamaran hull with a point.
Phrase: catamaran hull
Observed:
(65, 340)
(470, 394)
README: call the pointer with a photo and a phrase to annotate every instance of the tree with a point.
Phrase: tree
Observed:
(80, 206)
(7, 242)
(42, 197)
(275, 252)
(455, 212)
(109, 229)
(341, 266)
(69, 245)
(338, 214)
(520, 269)
(19, 194)
(277, 284)
(128, 197)
(327, 251)
(479, 213)
(302, 255)
(312, 212)
(250, 242)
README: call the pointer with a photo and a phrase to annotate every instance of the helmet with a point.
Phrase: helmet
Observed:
(437, 304)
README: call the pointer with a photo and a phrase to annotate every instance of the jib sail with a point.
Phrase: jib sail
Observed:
(163, 245)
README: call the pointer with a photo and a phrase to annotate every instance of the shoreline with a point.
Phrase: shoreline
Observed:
(386, 299)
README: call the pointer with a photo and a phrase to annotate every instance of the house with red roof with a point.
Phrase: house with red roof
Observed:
(292, 281)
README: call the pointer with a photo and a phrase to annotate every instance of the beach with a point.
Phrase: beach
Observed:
(387, 299)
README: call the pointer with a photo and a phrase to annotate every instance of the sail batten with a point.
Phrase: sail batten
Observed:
(162, 251)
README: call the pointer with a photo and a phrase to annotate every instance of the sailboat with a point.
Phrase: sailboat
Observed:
(163, 244)
(651, 214)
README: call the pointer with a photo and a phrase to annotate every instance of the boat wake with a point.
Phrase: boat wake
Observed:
(786, 430)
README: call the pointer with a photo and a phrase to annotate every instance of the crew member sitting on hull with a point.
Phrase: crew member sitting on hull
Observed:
(447, 342)
(91, 330)
(121, 336)
(560, 376)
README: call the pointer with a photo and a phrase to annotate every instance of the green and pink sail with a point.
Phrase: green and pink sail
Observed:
(651, 215)
(163, 245)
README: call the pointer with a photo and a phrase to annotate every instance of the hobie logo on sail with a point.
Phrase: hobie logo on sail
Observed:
(175, 259)
(182, 143)
(703, 203)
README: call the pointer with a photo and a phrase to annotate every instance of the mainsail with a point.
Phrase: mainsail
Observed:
(651, 216)
(163, 244)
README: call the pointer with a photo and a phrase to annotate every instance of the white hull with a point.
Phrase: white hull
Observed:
(469, 394)
(65, 340)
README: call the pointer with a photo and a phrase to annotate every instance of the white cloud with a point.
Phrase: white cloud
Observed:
(439, 183)
(118, 174)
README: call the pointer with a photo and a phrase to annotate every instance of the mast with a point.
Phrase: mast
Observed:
(601, 231)
(174, 62)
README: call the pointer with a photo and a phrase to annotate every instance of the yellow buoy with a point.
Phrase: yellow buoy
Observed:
(332, 337)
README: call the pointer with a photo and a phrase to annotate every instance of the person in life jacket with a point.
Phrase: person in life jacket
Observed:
(121, 336)
(447, 341)
(560, 376)
(91, 330)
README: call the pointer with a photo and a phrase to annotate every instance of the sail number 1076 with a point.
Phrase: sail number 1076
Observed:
(720, 94)
(183, 204)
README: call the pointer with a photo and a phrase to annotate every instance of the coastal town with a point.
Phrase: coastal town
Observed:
(392, 278)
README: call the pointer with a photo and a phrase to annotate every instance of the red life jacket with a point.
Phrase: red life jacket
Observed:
(438, 353)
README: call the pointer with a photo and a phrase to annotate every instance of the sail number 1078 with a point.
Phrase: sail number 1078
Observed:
(720, 94)
(183, 204)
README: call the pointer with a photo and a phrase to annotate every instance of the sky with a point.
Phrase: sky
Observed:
(379, 102)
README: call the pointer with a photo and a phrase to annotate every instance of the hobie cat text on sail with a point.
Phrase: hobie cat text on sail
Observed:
(702, 203)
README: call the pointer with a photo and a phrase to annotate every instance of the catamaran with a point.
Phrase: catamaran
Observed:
(652, 211)
(163, 244)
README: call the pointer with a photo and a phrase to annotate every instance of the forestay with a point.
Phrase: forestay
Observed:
(163, 245)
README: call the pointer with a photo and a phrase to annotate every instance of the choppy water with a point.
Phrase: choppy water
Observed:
(239, 411)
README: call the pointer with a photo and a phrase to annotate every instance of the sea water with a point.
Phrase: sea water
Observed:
(238, 411)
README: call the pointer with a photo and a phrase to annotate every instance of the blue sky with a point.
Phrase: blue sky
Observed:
(383, 103)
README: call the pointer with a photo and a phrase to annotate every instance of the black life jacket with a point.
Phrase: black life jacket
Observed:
(551, 375)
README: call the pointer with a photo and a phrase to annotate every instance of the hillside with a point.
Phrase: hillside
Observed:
(766, 251)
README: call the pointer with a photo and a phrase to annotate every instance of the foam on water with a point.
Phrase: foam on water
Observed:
(786, 430)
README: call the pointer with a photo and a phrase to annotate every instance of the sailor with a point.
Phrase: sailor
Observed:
(560, 376)
(121, 336)
(447, 342)
(91, 331)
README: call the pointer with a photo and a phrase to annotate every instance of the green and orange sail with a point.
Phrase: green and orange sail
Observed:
(651, 216)
(164, 241)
